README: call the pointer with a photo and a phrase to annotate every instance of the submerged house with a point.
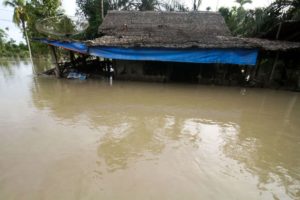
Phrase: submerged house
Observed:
(172, 45)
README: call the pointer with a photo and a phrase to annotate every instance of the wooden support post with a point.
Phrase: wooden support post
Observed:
(54, 56)
(256, 69)
(278, 31)
(277, 55)
(84, 57)
(72, 58)
(257, 66)
(102, 10)
(274, 67)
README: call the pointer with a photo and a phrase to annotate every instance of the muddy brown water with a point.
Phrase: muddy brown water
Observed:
(68, 139)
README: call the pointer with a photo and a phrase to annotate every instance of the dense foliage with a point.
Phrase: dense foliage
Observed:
(255, 22)
(27, 13)
(9, 48)
(91, 9)
(37, 10)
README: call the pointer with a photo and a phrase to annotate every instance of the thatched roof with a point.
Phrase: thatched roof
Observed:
(175, 30)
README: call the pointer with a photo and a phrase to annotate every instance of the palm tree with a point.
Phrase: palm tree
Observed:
(196, 5)
(243, 2)
(2, 39)
(20, 17)
(146, 5)
(102, 10)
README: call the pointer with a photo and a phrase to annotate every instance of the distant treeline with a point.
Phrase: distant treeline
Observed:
(9, 48)
(255, 22)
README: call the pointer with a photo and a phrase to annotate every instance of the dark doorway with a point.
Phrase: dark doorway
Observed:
(184, 72)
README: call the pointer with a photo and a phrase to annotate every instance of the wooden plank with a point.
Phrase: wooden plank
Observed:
(54, 57)
(274, 67)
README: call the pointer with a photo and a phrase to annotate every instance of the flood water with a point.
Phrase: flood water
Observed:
(68, 139)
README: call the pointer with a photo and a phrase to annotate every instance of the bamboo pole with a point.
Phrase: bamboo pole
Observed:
(257, 66)
(274, 67)
(28, 45)
(278, 31)
(54, 56)
(72, 58)
(277, 55)
(102, 10)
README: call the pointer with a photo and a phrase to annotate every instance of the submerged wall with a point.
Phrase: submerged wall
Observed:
(138, 71)
(283, 72)
(181, 72)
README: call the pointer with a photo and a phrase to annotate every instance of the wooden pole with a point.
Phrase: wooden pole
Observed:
(274, 67)
(102, 10)
(277, 54)
(72, 58)
(54, 56)
(278, 31)
(30, 53)
(257, 66)
(28, 44)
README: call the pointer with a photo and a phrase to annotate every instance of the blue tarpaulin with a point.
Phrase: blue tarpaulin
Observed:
(224, 56)
(73, 46)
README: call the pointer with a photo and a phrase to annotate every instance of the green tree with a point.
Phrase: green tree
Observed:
(258, 21)
(196, 4)
(243, 2)
(174, 6)
(3, 36)
(91, 9)
(145, 5)
(38, 10)
(9, 48)
(20, 17)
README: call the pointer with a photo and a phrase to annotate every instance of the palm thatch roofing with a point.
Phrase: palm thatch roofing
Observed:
(175, 30)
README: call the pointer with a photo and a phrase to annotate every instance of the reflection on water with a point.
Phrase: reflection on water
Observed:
(9, 67)
(42, 64)
(70, 139)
